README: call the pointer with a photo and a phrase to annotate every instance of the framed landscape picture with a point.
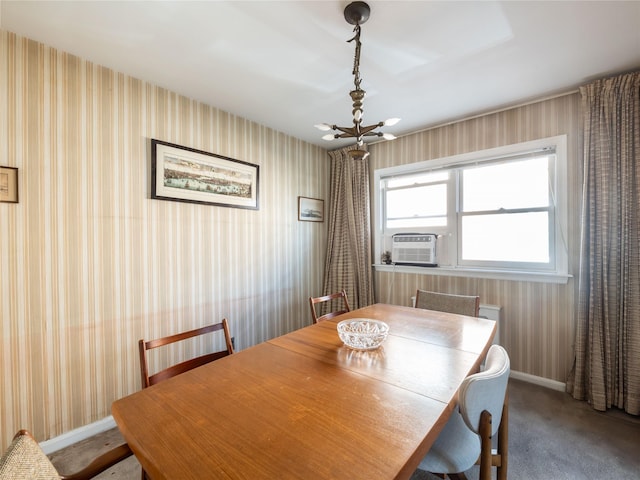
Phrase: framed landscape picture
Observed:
(184, 174)
(310, 209)
(9, 184)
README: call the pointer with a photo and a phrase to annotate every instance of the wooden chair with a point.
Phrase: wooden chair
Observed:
(446, 302)
(148, 380)
(482, 411)
(25, 460)
(344, 308)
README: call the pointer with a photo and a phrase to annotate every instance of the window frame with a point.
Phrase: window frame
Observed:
(557, 272)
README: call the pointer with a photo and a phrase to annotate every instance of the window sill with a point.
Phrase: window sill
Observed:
(477, 273)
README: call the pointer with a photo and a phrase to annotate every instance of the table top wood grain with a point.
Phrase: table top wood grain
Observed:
(304, 406)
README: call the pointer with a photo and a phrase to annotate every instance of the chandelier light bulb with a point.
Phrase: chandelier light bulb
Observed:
(329, 137)
(388, 136)
(325, 127)
(391, 121)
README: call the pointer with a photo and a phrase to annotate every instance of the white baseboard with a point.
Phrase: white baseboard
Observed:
(543, 382)
(77, 435)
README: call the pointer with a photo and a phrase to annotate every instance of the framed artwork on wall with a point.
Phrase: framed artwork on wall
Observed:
(185, 174)
(9, 184)
(310, 209)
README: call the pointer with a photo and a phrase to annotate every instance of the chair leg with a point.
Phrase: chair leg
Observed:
(503, 442)
(485, 446)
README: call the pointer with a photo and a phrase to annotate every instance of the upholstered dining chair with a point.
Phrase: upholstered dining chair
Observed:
(482, 411)
(341, 305)
(144, 346)
(447, 302)
(25, 460)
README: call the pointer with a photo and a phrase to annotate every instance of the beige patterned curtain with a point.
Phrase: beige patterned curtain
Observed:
(348, 259)
(607, 352)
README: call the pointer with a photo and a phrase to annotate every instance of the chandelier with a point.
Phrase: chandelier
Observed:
(357, 13)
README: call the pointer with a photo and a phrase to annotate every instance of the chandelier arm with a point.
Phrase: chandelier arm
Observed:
(348, 130)
(345, 135)
(365, 130)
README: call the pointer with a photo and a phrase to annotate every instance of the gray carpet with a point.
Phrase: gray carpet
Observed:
(551, 436)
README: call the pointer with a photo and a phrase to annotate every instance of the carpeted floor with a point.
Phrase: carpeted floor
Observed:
(551, 437)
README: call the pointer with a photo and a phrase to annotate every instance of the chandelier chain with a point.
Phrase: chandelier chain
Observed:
(356, 59)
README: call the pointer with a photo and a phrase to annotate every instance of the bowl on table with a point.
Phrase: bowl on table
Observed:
(362, 333)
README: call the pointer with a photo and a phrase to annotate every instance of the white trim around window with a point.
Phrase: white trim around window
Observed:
(451, 264)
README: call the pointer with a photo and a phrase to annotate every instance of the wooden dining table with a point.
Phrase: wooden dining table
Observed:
(305, 406)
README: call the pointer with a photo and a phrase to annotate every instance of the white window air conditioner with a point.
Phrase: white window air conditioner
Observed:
(414, 249)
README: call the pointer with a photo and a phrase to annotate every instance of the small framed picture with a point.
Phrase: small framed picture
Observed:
(9, 184)
(310, 209)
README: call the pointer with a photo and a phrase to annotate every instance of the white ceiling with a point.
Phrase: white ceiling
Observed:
(287, 65)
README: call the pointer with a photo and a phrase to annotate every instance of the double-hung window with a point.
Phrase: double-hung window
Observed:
(498, 211)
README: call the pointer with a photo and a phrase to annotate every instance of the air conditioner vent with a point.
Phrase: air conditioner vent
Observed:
(414, 249)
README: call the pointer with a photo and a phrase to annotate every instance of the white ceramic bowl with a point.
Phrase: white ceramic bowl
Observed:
(363, 333)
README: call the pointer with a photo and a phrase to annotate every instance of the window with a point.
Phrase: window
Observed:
(500, 210)
(417, 201)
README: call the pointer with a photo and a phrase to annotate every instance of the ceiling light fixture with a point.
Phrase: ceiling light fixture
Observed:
(357, 13)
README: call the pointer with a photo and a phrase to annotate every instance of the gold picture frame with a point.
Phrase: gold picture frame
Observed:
(9, 184)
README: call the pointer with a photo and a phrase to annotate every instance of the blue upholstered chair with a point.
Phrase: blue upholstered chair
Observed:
(482, 411)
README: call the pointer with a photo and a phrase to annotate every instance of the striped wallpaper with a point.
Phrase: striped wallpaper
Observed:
(538, 319)
(89, 263)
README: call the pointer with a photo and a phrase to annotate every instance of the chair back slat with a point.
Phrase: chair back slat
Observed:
(333, 299)
(189, 364)
(185, 366)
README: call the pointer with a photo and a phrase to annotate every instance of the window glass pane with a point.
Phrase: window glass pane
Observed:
(515, 237)
(517, 184)
(417, 179)
(425, 201)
